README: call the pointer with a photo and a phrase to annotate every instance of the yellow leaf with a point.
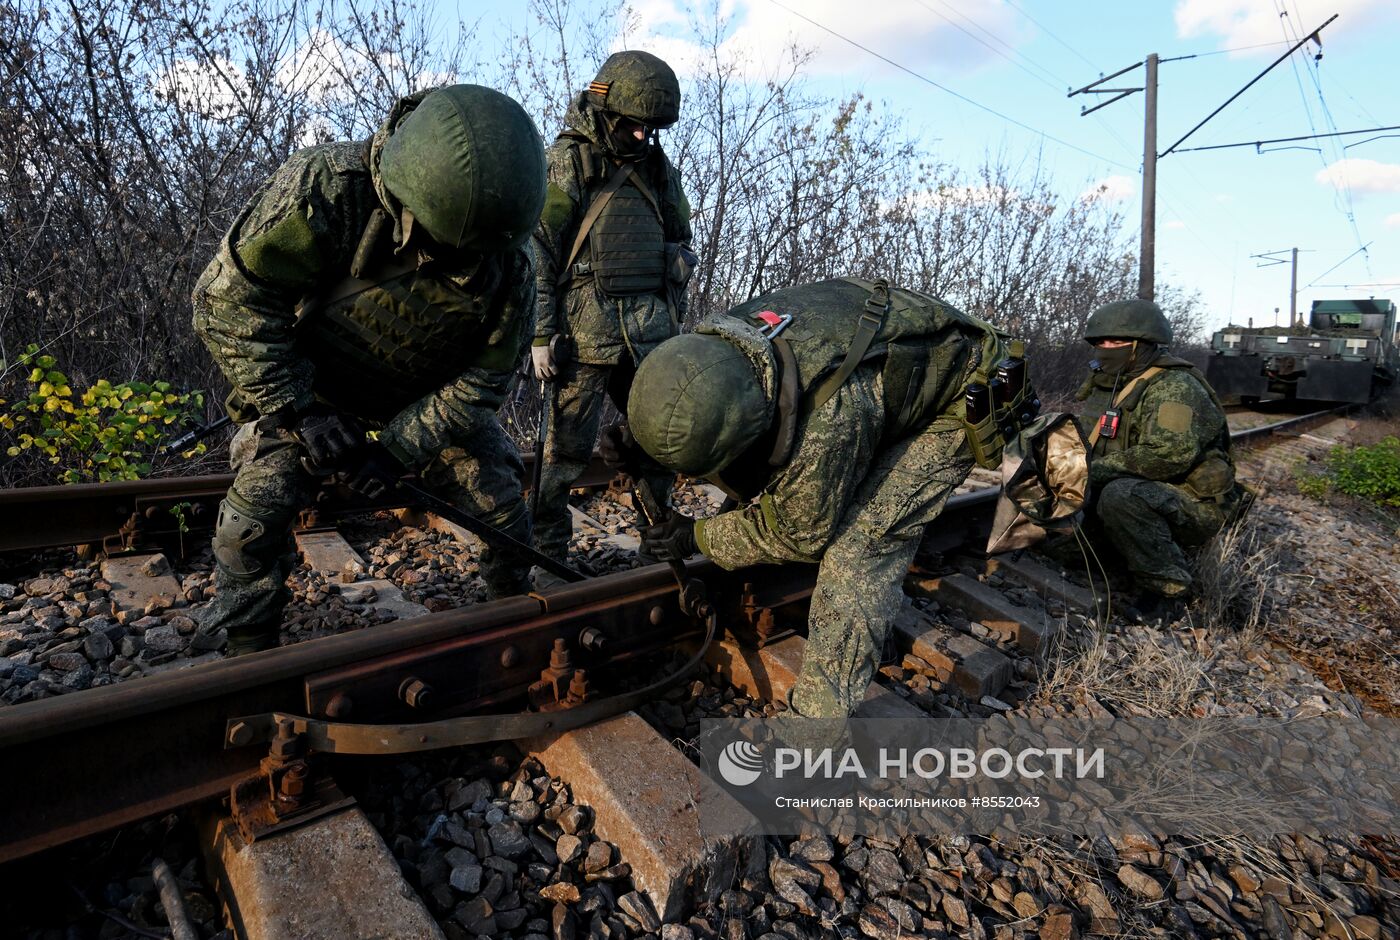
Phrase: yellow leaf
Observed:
(45, 389)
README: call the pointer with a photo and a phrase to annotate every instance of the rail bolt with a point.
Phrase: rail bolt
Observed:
(559, 657)
(656, 616)
(593, 639)
(415, 693)
(340, 706)
(510, 657)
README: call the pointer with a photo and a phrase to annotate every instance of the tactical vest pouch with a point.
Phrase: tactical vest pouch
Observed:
(680, 264)
(999, 400)
(1211, 479)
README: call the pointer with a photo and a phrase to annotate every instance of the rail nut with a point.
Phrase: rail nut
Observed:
(293, 783)
(415, 693)
(241, 734)
(593, 639)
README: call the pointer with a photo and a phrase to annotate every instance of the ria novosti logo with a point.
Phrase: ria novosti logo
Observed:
(740, 763)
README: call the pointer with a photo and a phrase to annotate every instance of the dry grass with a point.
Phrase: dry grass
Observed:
(1150, 675)
(1235, 580)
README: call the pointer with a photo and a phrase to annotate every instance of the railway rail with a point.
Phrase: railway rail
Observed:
(83, 763)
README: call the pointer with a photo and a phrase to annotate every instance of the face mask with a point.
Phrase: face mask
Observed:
(1114, 361)
(624, 143)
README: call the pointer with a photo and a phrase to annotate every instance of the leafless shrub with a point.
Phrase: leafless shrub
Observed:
(132, 132)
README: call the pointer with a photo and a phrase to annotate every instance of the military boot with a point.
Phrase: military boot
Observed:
(253, 638)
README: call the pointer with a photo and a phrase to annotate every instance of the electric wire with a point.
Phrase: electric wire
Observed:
(1337, 265)
(995, 51)
(1341, 183)
(944, 88)
(1046, 30)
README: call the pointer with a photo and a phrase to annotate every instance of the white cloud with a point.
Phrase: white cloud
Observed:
(1111, 189)
(919, 37)
(1251, 22)
(1393, 220)
(1363, 176)
(1175, 224)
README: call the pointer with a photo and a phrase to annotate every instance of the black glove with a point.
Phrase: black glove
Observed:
(672, 540)
(373, 472)
(328, 436)
(619, 448)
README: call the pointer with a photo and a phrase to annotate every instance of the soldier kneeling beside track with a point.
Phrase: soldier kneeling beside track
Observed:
(1161, 476)
(835, 412)
(382, 285)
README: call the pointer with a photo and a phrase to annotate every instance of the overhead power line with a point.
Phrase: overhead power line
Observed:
(1339, 264)
(1285, 140)
(1249, 84)
(944, 88)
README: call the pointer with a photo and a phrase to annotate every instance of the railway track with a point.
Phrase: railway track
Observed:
(105, 757)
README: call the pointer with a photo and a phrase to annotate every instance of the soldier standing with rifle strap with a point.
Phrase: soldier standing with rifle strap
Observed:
(612, 266)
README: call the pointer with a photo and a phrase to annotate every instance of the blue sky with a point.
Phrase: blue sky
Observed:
(1019, 57)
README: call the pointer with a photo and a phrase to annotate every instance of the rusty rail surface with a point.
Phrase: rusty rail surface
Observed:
(79, 764)
(53, 516)
(82, 763)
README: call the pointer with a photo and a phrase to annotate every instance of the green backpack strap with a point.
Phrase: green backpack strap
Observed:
(871, 319)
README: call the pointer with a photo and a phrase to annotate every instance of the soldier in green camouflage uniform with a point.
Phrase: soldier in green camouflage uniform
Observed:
(1164, 482)
(612, 259)
(385, 284)
(841, 444)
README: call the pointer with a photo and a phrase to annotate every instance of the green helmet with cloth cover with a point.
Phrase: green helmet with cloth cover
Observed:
(468, 163)
(1129, 319)
(637, 85)
(697, 404)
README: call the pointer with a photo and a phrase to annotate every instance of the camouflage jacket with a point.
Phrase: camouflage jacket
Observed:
(801, 505)
(603, 327)
(296, 238)
(1168, 426)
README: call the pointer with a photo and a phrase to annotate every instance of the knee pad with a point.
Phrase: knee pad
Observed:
(245, 541)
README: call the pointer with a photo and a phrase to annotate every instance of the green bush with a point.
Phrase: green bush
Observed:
(1370, 472)
(109, 432)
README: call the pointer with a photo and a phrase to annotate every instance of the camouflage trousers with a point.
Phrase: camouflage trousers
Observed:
(860, 581)
(252, 551)
(572, 419)
(1151, 526)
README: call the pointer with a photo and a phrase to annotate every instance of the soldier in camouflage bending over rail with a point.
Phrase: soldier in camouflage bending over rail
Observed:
(385, 284)
(835, 413)
(612, 261)
(1160, 471)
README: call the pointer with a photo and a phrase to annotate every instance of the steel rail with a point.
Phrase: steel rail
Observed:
(54, 516)
(83, 763)
(78, 764)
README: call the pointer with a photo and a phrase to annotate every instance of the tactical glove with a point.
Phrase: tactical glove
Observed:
(619, 449)
(375, 471)
(328, 436)
(672, 540)
(542, 359)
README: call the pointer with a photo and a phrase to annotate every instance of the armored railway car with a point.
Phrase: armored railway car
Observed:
(1346, 353)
